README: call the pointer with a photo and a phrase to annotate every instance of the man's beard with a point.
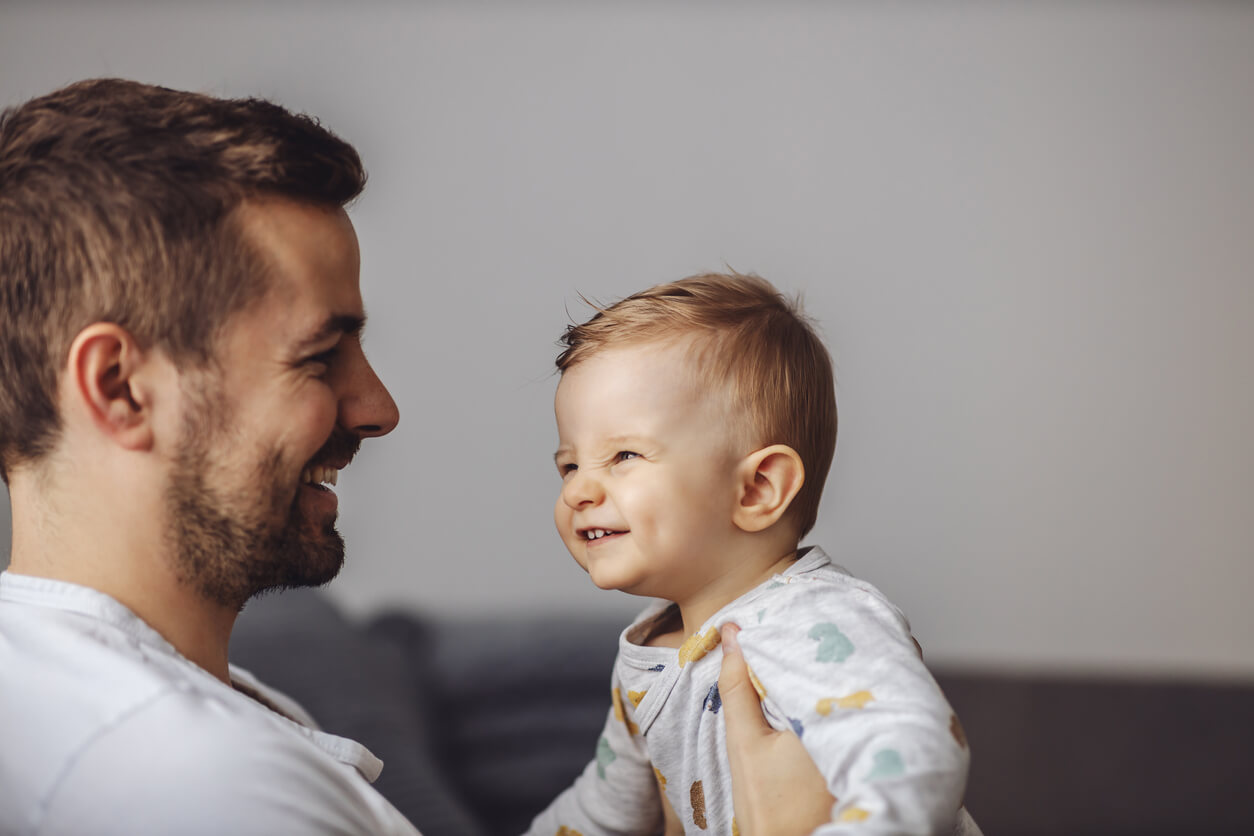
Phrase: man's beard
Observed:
(230, 548)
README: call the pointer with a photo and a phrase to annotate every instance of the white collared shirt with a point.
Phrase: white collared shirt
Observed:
(106, 729)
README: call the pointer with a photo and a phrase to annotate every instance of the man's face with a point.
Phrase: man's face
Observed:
(648, 467)
(279, 412)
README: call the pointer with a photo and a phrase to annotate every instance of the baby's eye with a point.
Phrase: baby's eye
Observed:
(624, 455)
(566, 469)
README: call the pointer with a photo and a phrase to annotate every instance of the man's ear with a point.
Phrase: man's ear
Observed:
(104, 368)
(768, 481)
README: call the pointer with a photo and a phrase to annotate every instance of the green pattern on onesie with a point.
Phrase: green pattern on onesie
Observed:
(888, 764)
(834, 646)
(605, 756)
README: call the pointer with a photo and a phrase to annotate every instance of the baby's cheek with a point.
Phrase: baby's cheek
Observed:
(574, 544)
(561, 517)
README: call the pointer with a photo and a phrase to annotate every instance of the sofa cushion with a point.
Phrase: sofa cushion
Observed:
(1105, 756)
(357, 687)
(520, 703)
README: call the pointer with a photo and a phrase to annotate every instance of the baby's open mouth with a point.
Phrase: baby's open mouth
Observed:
(598, 533)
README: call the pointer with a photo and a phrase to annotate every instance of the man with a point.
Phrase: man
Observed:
(181, 374)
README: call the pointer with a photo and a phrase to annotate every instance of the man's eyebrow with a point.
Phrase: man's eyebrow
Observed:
(341, 324)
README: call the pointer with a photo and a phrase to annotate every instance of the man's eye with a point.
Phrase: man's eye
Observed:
(624, 455)
(322, 358)
(567, 469)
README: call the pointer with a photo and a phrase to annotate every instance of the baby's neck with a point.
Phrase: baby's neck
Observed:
(697, 609)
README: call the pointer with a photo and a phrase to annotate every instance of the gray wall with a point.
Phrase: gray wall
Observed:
(1024, 227)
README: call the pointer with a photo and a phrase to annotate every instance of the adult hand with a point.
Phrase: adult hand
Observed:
(776, 788)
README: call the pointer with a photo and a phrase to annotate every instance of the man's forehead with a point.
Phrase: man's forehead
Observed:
(306, 249)
(266, 217)
(295, 239)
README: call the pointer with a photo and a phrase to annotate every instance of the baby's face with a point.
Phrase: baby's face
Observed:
(648, 466)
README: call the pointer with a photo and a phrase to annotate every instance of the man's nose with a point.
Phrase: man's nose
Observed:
(367, 408)
(581, 489)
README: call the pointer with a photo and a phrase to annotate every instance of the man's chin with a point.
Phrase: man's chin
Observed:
(315, 558)
(303, 555)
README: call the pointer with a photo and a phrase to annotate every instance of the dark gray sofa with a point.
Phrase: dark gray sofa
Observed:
(481, 722)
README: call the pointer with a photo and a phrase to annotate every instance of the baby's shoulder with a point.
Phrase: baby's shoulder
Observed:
(824, 604)
(826, 587)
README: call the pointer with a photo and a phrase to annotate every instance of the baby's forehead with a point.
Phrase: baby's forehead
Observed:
(679, 365)
(694, 352)
(684, 365)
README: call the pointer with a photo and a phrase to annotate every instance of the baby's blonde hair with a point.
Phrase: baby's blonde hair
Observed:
(751, 340)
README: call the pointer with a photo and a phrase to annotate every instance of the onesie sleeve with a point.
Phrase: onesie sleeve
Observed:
(617, 792)
(835, 663)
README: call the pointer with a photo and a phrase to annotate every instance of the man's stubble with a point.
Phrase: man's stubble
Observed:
(232, 547)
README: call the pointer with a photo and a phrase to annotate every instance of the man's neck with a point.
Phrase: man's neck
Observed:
(125, 562)
(198, 630)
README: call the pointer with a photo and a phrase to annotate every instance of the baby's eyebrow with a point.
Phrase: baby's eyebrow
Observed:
(617, 441)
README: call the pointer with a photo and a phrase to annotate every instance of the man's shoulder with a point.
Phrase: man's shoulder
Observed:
(189, 763)
(96, 724)
(74, 692)
(64, 677)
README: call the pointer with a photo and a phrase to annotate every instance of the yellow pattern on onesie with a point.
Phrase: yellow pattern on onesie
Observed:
(620, 714)
(697, 645)
(858, 699)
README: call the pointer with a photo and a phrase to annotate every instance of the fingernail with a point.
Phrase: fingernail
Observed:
(729, 632)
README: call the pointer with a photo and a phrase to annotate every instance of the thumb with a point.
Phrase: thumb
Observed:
(743, 710)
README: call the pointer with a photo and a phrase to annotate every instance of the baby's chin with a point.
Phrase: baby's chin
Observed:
(616, 582)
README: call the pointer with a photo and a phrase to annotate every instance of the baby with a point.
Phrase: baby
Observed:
(696, 424)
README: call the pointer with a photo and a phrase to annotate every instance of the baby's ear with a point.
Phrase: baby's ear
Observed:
(767, 482)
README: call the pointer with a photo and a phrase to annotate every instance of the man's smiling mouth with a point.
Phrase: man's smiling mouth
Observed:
(335, 455)
(320, 476)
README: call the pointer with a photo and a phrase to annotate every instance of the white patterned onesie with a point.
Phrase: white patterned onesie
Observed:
(834, 662)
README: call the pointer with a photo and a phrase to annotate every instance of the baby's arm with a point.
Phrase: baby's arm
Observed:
(615, 795)
(836, 664)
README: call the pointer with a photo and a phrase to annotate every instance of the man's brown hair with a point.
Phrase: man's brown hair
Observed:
(750, 340)
(117, 204)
